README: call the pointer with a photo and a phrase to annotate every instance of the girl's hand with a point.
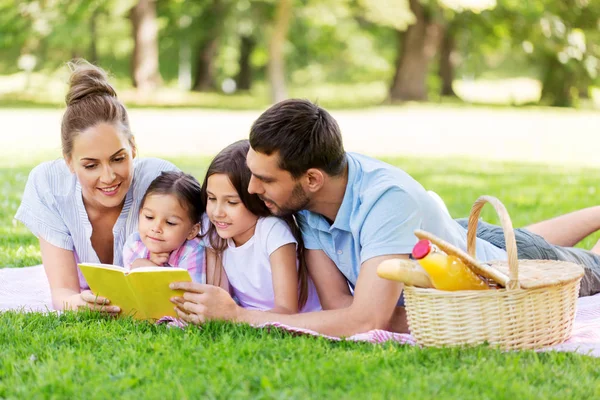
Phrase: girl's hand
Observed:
(88, 300)
(160, 259)
(201, 303)
(142, 262)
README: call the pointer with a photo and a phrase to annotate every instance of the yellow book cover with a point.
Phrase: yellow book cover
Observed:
(142, 292)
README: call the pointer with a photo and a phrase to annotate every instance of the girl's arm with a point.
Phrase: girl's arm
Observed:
(331, 284)
(61, 270)
(285, 279)
(215, 273)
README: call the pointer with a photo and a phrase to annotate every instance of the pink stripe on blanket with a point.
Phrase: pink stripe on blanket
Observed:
(374, 336)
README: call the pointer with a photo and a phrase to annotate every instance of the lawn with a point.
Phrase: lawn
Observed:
(88, 356)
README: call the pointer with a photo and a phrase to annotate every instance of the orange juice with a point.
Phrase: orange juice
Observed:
(447, 272)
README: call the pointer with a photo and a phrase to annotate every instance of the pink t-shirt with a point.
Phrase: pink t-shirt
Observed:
(190, 256)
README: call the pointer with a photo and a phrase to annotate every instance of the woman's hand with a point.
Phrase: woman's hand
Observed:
(202, 303)
(88, 300)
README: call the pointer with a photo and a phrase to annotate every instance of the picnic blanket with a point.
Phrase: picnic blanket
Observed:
(27, 289)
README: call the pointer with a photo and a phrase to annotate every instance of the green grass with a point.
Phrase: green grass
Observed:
(88, 356)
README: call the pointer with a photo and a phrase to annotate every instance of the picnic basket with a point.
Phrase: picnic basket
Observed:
(533, 306)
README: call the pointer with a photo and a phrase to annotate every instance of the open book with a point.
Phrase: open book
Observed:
(142, 292)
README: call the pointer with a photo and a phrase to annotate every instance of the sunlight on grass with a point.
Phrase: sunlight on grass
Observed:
(502, 91)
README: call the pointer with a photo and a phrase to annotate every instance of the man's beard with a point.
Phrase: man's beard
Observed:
(298, 201)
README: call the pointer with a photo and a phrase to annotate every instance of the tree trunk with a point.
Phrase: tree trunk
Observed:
(243, 79)
(276, 66)
(205, 64)
(416, 47)
(146, 76)
(584, 90)
(557, 83)
(446, 71)
(212, 25)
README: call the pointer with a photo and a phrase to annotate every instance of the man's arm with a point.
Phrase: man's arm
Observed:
(372, 307)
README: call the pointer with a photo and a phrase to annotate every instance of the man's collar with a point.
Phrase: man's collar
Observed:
(342, 220)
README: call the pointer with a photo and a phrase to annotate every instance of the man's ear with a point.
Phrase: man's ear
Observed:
(194, 232)
(315, 179)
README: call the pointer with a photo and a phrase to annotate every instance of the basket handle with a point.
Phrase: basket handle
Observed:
(509, 236)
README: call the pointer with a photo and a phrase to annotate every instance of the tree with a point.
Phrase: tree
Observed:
(559, 38)
(243, 78)
(276, 66)
(416, 48)
(446, 61)
(145, 72)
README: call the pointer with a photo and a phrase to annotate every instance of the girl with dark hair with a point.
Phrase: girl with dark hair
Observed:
(261, 255)
(169, 223)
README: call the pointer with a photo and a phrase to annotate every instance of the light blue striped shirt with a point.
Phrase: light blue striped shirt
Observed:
(52, 208)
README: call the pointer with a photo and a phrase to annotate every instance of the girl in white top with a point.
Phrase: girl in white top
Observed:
(261, 255)
(83, 207)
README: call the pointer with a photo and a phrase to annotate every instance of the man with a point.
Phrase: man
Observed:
(354, 213)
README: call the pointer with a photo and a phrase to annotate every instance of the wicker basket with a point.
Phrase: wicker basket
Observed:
(533, 308)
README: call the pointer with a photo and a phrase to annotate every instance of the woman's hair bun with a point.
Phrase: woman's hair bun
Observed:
(87, 80)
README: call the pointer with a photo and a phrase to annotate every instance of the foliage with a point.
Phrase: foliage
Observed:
(341, 41)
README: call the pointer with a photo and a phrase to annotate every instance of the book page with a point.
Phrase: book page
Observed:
(152, 289)
(110, 281)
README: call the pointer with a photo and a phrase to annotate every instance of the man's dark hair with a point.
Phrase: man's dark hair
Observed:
(305, 136)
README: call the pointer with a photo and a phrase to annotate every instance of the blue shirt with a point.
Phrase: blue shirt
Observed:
(52, 208)
(381, 209)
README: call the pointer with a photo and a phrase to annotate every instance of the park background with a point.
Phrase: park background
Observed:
(470, 97)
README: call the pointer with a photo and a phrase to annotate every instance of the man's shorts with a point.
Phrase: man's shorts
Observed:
(534, 247)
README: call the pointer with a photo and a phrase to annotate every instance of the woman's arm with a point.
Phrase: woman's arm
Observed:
(61, 270)
(285, 279)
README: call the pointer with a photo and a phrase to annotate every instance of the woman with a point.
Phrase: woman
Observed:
(83, 207)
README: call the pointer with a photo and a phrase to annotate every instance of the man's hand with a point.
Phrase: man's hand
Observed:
(202, 303)
(159, 259)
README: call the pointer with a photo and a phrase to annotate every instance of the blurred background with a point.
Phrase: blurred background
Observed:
(246, 54)
(508, 80)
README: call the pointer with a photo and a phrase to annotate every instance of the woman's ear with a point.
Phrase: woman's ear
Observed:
(316, 179)
(69, 162)
(194, 232)
(133, 146)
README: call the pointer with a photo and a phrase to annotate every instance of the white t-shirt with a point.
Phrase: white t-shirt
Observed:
(248, 266)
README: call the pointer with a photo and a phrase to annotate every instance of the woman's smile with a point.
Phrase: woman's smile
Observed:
(111, 190)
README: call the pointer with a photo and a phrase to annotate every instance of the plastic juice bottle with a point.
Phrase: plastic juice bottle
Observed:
(447, 272)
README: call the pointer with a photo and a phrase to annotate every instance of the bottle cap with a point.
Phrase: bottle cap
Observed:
(421, 249)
